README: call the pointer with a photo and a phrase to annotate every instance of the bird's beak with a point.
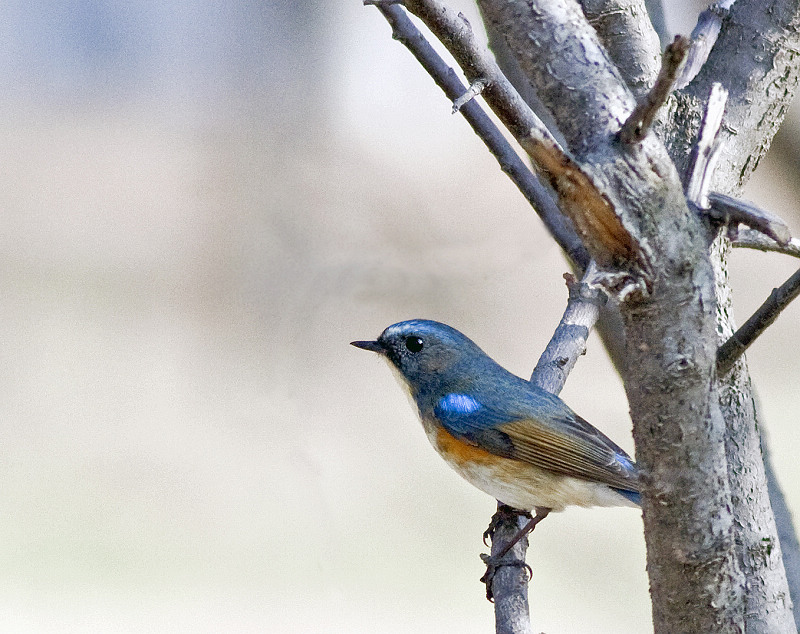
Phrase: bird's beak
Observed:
(372, 346)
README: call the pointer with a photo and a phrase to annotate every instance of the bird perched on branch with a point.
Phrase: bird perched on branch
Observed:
(509, 438)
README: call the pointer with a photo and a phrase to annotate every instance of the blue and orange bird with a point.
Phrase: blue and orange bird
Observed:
(509, 438)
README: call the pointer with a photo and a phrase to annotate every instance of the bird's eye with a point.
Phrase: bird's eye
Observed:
(414, 344)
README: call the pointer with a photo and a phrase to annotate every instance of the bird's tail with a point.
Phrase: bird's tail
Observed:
(633, 496)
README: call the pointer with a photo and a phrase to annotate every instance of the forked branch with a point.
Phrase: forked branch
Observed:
(404, 31)
(580, 198)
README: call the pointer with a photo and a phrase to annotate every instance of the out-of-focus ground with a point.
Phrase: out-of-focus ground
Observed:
(201, 208)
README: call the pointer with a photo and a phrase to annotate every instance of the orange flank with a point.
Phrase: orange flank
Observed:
(461, 453)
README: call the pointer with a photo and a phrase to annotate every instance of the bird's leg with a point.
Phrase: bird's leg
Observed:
(503, 513)
(493, 562)
(541, 513)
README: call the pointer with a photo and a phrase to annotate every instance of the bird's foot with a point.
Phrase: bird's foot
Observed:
(505, 516)
(503, 513)
(493, 564)
(506, 520)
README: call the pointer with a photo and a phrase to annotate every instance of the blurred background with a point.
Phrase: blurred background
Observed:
(202, 205)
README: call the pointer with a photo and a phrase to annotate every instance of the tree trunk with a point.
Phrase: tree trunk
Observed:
(713, 553)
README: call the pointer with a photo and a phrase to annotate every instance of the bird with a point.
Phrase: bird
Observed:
(509, 438)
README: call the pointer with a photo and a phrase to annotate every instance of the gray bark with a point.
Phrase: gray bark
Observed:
(625, 29)
(755, 56)
(713, 552)
(563, 59)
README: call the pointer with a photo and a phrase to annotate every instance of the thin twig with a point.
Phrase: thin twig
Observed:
(404, 31)
(475, 89)
(706, 150)
(751, 239)
(767, 313)
(727, 209)
(569, 339)
(641, 119)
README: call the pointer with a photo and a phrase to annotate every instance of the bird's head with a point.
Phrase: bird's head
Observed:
(427, 354)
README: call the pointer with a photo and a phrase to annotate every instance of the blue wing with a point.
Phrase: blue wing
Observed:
(533, 426)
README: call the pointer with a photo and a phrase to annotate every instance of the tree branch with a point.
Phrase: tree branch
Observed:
(703, 37)
(731, 210)
(637, 125)
(568, 343)
(655, 9)
(566, 63)
(754, 55)
(632, 44)
(752, 239)
(404, 31)
(765, 600)
(609, 327)
(569, 339)
(507, 585)
(580, 198)
(706, 150)
(767, 313)
(630, 208)
(508, 63)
